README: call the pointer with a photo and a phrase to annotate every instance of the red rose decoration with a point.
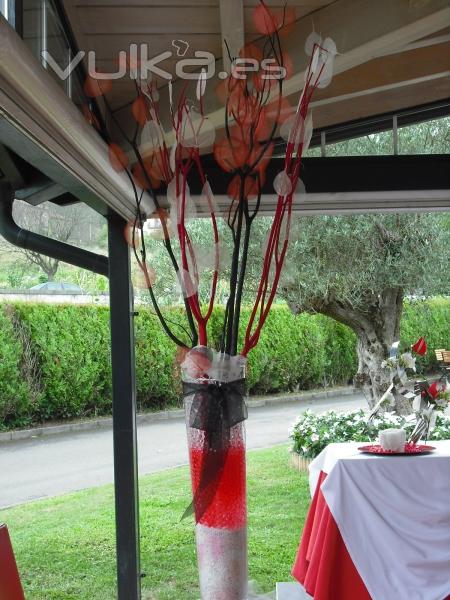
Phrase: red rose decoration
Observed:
(433, 390)
(198, 361)
(420, 347)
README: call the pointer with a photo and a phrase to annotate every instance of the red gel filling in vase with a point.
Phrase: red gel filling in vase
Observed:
(228, 508)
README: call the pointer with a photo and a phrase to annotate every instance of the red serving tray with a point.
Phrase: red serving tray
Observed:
(410, 450)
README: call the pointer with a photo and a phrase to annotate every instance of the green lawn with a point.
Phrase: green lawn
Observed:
(65, 546)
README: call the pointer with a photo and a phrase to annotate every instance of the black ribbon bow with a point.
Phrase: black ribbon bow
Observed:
(216, 408)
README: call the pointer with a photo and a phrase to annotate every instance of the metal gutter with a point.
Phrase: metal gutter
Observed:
(38, 243)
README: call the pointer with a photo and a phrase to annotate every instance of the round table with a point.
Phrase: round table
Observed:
(378, 526)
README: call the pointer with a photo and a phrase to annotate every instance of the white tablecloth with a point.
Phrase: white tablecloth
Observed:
(393, 513)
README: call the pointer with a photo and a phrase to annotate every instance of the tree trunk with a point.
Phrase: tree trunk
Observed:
(377, 328)
(371, 377)
(48, 265)
(50, 269)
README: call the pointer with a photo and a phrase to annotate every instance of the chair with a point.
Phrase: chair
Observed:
(443, 358)
(10, 586)
(439, 354)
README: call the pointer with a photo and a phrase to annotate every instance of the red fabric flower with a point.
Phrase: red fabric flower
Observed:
(118, 158)
(434, 390)
(420, 347)
(96, 87)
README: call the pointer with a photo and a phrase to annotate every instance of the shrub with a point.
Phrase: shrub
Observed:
(311, 432)
(55, 359)
(339, 350)
(295, 352)
(71, 344)
(280, 360)
(156, 381)
(430, 318)
(14, 392)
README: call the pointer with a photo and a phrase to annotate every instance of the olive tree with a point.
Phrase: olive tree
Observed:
(358, 270)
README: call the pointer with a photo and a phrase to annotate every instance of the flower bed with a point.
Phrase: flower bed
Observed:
(311, 432)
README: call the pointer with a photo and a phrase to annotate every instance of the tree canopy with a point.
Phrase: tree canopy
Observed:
(347, 260)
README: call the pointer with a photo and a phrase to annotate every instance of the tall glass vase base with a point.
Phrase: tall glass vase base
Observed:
(214, 399)
(222, 562)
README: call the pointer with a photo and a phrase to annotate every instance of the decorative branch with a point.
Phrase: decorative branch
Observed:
(254, 111)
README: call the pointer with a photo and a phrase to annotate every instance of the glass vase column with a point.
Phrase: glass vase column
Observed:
(218, 474)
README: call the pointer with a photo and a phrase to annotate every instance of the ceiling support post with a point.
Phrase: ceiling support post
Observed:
(124, 413)
(118, 269)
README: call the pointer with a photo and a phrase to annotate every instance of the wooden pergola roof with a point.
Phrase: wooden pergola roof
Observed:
(392, 54)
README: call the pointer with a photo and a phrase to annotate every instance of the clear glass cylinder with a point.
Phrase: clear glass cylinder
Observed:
(220, 506)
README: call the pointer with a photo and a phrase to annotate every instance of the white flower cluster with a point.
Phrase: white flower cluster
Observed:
(311, 432)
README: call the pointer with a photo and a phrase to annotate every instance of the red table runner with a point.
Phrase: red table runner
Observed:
(323, 565)
(10, 586)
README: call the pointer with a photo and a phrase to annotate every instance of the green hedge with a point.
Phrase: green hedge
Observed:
(14, 392)
(71, 345)
(157, 382)
(431, 319)
(55, 362)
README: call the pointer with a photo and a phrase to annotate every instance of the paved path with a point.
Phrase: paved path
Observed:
(50, 466)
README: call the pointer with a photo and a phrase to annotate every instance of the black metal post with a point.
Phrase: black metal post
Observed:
(124, 413)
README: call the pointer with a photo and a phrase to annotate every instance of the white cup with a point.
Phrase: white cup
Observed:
(393, 439)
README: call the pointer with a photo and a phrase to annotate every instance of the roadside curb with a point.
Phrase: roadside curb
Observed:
(106, 422)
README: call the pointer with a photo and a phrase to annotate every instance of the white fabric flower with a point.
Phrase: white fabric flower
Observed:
(409, 360)
(401, 374)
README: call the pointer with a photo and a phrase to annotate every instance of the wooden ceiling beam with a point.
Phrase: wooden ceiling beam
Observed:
(306, 4)
(387, 101)
(426, 79)
(362, 30)
(388, 72)
(424, 43)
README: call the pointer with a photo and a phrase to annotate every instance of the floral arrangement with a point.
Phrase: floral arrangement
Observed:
(400, 364)
(312, 432)
(163, 158)
(433, 396)
(398, 367)
(422, 401)
(428, 402)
